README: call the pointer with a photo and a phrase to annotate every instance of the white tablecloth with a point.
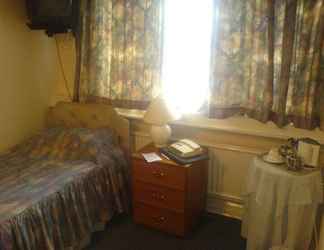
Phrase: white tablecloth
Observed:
(280, 207)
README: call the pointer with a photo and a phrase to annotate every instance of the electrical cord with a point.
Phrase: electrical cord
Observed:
(62, 68)
(316, 237)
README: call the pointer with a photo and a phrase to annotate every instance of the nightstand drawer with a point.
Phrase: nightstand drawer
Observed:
(158, 196)
(160, 174)
(159, 218)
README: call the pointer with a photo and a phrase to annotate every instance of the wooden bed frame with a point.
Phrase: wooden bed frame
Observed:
(90, 115)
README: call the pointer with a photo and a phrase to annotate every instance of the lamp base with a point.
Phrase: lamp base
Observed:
(160, 135)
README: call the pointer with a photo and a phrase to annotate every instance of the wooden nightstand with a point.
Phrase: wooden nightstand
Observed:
(168, 196)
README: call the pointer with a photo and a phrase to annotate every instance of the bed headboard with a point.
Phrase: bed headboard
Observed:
(90, 115)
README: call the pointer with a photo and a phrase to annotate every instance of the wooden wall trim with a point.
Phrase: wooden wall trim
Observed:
(234, 125)
(241, 149)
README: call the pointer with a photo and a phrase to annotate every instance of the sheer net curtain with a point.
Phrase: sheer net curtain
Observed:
(267, 60)
(119, 46)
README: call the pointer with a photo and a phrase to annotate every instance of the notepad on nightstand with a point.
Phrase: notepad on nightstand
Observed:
(151, 157)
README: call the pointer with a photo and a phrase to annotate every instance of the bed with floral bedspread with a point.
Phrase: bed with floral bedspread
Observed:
(59, 186)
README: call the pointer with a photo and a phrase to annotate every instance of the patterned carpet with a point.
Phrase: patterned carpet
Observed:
(213, 233)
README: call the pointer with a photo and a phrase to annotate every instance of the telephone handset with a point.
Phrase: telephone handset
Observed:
(185, 148)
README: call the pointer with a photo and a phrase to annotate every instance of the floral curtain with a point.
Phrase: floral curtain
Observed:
(119, 45)
(268, 60)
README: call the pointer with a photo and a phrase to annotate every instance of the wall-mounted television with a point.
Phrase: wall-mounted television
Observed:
(53, 16)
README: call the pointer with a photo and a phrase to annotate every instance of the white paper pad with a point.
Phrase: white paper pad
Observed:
(151, 157)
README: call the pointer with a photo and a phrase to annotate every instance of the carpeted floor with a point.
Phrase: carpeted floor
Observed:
(213, 233)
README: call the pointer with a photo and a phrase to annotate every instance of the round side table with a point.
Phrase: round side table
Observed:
(280, 206)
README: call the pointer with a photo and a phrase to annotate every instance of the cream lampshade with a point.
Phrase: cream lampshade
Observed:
(158, 115)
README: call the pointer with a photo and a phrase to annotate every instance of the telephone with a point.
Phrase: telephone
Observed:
(185, 148)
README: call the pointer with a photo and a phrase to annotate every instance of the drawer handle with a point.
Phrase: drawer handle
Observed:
(158, 174)
(158, 196)
(159, 219)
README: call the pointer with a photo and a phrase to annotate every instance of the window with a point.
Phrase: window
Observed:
(186, 53)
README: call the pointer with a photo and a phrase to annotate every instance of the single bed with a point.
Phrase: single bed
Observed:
(68, 181)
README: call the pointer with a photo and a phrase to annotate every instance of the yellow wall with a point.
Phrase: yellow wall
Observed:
(28, 74)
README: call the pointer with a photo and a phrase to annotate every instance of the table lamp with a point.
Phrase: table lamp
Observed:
(158, 116)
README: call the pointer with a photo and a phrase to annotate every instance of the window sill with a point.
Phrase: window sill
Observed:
(134, 114)
(237, 125)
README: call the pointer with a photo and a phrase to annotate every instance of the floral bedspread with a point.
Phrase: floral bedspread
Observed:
(58, 187)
